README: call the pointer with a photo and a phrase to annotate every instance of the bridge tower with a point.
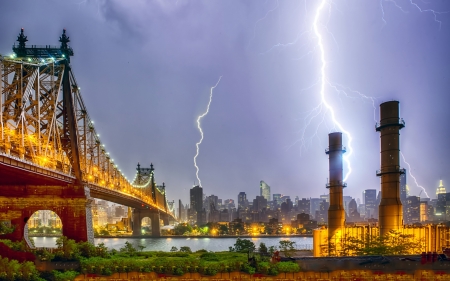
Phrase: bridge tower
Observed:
(51, 156)
(39, 151)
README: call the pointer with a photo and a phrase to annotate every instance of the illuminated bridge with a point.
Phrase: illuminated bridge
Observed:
(51, 157)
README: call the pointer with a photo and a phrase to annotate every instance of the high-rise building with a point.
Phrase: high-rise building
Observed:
(196, 196)
(347, 200)
(242, 200)
(403, 194)
(304, 206)
(264, 190)
(353, 214)
(443, 207)
(440, 189)
(325, 197)
(277, 199)
(314, 205)
(259, 203)
(370, 203)
(412, 210)
(119, 211)
(284, 198)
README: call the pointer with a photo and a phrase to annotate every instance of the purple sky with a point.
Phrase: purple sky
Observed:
(145, 70)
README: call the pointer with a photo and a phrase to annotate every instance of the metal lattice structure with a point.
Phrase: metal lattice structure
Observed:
(44, 122)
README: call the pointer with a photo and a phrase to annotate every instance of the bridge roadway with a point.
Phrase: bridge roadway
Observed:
(26, 188)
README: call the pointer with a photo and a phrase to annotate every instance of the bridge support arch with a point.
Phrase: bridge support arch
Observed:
(74, 212)
(154, 216)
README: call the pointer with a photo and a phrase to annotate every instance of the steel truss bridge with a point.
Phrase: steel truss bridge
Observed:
(50, 154)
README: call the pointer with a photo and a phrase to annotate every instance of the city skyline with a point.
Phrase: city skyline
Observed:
(145, 79)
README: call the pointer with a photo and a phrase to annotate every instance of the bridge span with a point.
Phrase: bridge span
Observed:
(51, 157)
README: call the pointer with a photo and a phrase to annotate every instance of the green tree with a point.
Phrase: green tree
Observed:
(185, 249)
(223, 229)
(67, 249)
(182, 229)
(262, 248)
(128, 249)
(174, 249)
(102, 250)
(244, 245)
(287, 247)
(6, 227)
(86, 249)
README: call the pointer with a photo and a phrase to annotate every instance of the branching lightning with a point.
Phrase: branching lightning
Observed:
(411, 175)
(433, 12)
(201, 131)
(324, 108)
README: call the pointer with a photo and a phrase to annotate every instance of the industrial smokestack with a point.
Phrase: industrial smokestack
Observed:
(390, 211)
(336, 213)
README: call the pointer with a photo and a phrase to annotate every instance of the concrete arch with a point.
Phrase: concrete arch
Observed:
(74, 215)
(138, 217)
(43, 222)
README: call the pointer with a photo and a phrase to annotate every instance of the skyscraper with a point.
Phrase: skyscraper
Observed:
(403, 194)
(370, 203)
(277, 199)
(440, 189)
(242, 200)
(197, 201)
(264, 190)
(412, 210)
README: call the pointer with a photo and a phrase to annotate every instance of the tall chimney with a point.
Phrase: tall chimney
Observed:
(390, 211)
(336, 213)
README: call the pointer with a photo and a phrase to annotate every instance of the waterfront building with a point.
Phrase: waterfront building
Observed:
(264, 190)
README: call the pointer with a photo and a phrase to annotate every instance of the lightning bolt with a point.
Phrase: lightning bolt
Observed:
(201, 131)
(414, 178)
(323, 81)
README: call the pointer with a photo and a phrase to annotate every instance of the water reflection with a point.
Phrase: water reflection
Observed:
(166, 243)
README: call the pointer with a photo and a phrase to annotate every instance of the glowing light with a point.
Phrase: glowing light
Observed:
(323, 82)
(414, 178)
(201, 131)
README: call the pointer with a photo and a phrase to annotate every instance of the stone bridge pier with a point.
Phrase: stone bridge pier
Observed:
(74, 211)
(155, 217)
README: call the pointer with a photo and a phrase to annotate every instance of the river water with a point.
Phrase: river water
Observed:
(166, 243)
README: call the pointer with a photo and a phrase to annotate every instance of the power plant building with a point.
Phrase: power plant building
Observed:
(431, 237)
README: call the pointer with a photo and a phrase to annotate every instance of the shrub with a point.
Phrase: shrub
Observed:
(172, 254)
(288, 267)
(64, 276)
(201, 251)
(209, 257)
(247, 268)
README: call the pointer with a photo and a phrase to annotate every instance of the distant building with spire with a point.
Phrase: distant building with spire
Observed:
(440, 189)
